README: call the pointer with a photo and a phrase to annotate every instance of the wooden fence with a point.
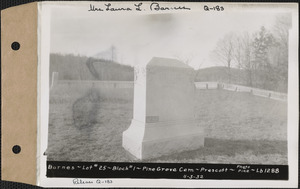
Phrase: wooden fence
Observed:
(239, 88)
(110, 85)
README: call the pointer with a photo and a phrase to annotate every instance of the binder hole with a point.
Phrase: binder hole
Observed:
(16, 149)
(15, 46)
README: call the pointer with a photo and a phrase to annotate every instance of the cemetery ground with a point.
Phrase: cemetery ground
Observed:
(239, 128)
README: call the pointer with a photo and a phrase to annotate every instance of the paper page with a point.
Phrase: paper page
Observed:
(178, 95)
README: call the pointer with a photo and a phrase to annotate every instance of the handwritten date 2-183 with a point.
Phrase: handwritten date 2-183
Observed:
(214, 8)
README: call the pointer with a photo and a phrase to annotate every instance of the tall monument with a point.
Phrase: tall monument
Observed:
(163, 116)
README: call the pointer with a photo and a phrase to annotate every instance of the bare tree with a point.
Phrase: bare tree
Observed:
(238, 50)
(238, 54)
(281, 28)
(224, 52)
(279, 53)
(246, 57)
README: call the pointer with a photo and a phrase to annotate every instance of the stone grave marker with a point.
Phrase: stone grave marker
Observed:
(163, 117)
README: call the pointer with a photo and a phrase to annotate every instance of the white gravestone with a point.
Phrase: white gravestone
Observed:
(163, 117)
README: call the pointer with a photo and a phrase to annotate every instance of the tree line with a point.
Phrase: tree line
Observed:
(76, 67)
(262, 56)
(258, 59)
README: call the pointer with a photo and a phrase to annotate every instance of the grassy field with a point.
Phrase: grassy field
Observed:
(239, 128)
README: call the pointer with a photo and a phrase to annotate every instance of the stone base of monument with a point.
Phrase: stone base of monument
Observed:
(150, 140)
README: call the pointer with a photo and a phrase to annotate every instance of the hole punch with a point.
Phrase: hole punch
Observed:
(15, 46)
(16, 149)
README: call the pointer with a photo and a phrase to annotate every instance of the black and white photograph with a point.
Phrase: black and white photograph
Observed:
(167, 84)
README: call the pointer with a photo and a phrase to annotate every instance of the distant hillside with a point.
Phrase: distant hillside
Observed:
(240, 77)
(71, 67)
(221, 74)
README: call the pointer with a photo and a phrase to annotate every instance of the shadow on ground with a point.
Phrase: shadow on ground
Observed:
(232, 151)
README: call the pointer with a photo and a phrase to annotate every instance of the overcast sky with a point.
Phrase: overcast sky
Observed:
(138, 38)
